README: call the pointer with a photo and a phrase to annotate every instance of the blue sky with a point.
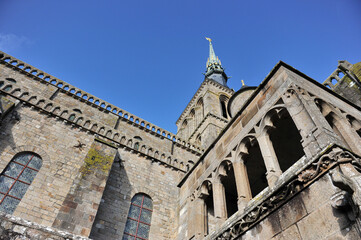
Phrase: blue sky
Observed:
(148, 57)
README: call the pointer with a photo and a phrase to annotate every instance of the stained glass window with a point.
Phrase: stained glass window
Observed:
(139, 218)
(16, 178)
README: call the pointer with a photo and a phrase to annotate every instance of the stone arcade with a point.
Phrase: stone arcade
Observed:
(277, 161)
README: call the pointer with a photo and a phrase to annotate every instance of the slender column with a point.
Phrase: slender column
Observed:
(349, 134)
(322, 132)
(190, 126)
(219, 200)
(303, 122)
(270, 158)
(198, 115)
(191, 219)
(242, 184)
(199, 223)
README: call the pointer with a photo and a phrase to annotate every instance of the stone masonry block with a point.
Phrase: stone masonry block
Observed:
(291, 212)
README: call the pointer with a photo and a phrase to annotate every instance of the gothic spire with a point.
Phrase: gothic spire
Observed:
(213, 59)
(215, 70)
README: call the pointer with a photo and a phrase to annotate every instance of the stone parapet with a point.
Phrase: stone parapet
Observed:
(86, 98)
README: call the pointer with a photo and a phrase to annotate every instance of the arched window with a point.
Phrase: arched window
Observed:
(16, 178)
(223, 101)
(139, 218)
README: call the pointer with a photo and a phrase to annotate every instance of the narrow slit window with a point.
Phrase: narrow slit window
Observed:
(139, 218)
(16, 178)
(223, 102)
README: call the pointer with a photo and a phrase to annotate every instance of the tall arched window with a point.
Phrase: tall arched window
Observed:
(139, 218)
(223, 101)
(16, 178)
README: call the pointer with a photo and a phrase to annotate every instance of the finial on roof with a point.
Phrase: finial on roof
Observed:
(242, 83)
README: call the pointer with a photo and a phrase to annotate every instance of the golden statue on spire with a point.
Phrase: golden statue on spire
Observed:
(209, 40)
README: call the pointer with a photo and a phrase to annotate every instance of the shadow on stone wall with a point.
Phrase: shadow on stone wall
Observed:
(112, 212)
(6, 130)
(343, 211)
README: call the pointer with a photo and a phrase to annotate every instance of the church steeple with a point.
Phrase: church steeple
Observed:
(215, 70)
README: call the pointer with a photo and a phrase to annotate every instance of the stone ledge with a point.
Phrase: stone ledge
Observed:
(12, 227)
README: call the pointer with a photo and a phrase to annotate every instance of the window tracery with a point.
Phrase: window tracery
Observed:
(139, 218)
(16, 178)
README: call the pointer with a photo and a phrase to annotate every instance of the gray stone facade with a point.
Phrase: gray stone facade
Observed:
(277, 161)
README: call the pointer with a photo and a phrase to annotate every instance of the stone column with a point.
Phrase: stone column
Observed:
(269, 157)
(219, 200)
(199, 221)
(303, 122)
(322, 132)
(190, 126)
(348, 133)
(242, 184)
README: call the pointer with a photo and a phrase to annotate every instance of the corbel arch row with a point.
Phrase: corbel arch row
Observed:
(83, 96)
(72, 116)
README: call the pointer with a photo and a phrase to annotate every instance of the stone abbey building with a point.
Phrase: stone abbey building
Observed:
(276, 161)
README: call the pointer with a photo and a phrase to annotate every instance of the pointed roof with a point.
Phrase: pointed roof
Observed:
(215, 70)
(213, 59)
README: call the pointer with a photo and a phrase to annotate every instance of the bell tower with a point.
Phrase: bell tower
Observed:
(206, 113)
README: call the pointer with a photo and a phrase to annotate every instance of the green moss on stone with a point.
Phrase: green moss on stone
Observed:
(95, 160)
(5, 103)
(355, 69)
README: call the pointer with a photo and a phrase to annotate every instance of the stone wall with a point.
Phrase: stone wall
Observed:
(309, 215)
(204, 104)
(347, 88)
(348, 85)
(67, 191)
(84, 110)
(81, 204)
(53, 140)
(135, 174)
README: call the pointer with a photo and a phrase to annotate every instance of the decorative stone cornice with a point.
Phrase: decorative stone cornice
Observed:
(107, 134)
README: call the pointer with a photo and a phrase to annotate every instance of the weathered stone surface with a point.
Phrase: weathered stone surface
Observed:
(266, 229)
(96, 157)
(291, 212)
(289, 233)
(322, 223)
(323, 190)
